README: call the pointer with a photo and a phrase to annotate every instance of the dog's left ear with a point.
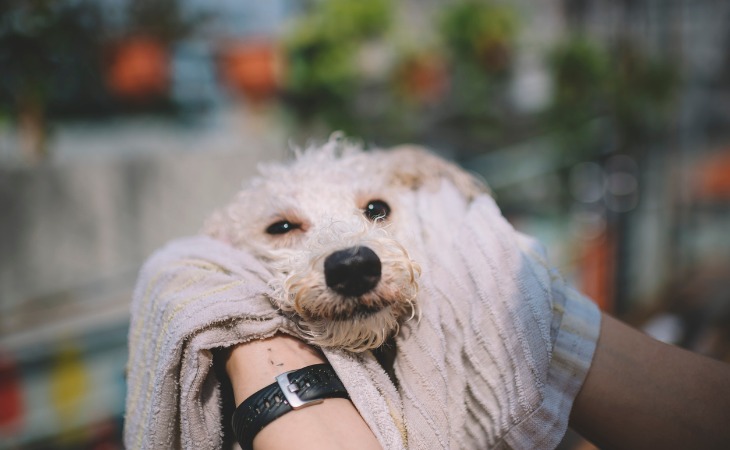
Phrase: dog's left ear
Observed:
(415, 167)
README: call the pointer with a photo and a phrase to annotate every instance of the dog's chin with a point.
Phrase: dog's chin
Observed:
(358, 312)
(364, 329)
(356, 324)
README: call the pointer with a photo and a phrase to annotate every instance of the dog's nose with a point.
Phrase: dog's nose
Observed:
(352, 271)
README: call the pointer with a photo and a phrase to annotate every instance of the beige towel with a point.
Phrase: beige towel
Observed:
(495, 361)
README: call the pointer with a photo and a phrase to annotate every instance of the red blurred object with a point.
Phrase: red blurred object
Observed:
(425, 78)
(106, 436)
(252, 68)
(139, 69)
(11, 398)
(597, 263)
(713, 176)
(495, 55)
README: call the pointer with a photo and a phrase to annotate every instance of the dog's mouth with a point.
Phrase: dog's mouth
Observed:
(350, 298)
(358, 311)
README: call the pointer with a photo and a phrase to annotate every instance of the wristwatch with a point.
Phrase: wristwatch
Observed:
(292, 390)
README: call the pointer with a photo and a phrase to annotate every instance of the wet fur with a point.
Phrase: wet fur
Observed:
(325, 189)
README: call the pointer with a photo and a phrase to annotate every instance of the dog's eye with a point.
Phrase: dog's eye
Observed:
(282, 227)
(377, 209)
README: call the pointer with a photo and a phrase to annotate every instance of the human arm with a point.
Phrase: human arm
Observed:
(641, 393)
(333, 424)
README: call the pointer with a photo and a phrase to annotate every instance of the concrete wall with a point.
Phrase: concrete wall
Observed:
(69, 231)
(74, 232)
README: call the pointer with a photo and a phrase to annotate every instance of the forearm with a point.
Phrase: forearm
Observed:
(333, 424)
(641, 393)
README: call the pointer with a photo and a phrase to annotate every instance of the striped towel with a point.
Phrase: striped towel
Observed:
(499, 353)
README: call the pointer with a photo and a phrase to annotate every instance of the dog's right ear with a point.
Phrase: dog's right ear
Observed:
(414, 167)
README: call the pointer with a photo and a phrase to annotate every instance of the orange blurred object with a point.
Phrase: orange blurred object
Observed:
(597, 267)
(425, 78)
(713, 176)
(139, 69)
(251, 68)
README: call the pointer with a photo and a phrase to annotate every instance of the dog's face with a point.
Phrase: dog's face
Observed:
(333, 230)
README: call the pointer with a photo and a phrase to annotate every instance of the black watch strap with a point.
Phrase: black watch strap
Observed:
(292, 390)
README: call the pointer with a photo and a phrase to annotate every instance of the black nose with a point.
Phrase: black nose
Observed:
(352, 271)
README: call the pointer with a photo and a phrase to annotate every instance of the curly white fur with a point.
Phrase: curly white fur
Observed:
(324, 192)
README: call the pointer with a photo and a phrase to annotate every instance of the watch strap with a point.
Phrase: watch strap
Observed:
(295, 389)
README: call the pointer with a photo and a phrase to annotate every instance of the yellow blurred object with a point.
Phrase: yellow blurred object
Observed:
(68, 384)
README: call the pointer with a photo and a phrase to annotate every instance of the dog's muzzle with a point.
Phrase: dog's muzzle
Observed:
(353, 271)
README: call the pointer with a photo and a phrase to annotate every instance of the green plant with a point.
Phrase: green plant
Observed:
(643, 88)
(581, 74)
(162, 19)
(481, 33)
(480, 40)
(626, 88)
(353, 19)
(321, 52)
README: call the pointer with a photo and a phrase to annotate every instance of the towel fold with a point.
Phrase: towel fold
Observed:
(501, 349)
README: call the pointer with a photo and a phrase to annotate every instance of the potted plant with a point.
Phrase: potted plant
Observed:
(481, 33)
(322, 77)
(138, 60)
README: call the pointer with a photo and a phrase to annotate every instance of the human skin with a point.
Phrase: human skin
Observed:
(639, 393)
(333, 424)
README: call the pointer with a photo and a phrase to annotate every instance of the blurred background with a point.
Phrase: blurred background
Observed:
(603, 128)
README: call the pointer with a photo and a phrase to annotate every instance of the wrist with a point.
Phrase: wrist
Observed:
(255, 364)
(292, 391)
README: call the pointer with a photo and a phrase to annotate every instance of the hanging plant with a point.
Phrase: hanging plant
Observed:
(480, 40)
(322, 76)
(423, 77)
(643, 88)
(622, 85)
(165, 20)
(481, 33)
(581, 76)
(581, 79)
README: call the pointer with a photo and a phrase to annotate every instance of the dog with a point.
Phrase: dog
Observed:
(333, 230)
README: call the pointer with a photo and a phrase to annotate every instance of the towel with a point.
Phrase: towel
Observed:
(495, 360)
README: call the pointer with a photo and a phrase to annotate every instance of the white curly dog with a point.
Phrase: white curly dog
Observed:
(331, 228)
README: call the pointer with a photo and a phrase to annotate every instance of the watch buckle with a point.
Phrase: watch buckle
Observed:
(290, 390)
